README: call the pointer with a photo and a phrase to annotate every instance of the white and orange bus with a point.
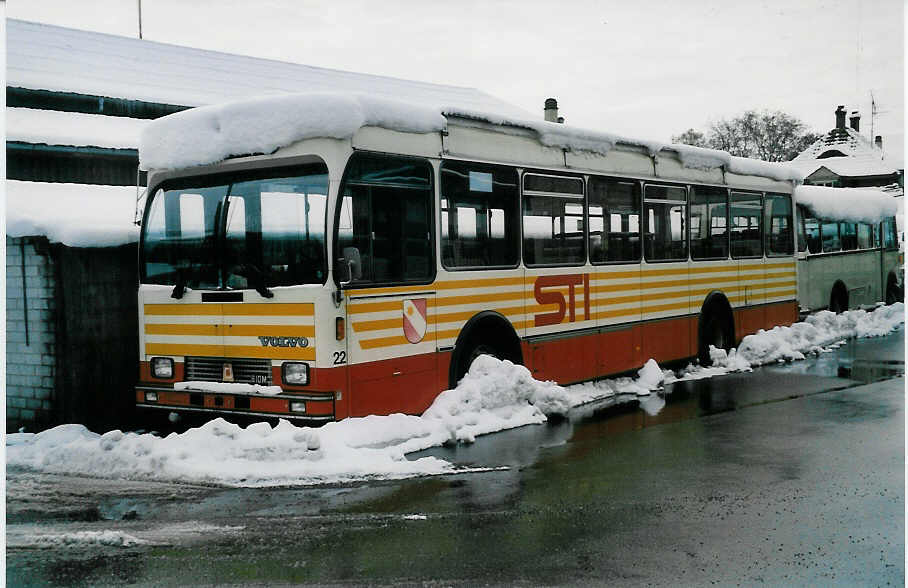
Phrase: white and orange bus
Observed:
(362, 275)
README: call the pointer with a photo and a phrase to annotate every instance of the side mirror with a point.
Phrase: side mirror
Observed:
(353, 264)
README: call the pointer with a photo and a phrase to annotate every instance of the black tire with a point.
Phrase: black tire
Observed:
(716, 329)
(486, 339)
(893, 292)
(838, 299)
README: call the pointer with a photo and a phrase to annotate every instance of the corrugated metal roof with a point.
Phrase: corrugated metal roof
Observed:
(46, 57)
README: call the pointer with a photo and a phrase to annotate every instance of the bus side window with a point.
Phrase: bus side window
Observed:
(814, 240)
(614, 213)
(479, 225)
(746, 217)
(665, 213)
(875, 235)
(386, 213)
(829, 232)
(864, 236)
(779, 238)
(890, 238)
(849, 236)
(553, 231)
(802, 231)
(708, 222)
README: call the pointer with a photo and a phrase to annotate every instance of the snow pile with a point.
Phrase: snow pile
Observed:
(87, 538)
(77, 215)
(819, 333)
(847, 204)
(650, 377)
(262, 125)
(228, 388)
(493, 395)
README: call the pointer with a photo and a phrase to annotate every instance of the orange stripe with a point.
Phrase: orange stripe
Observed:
(232, 309)
(231, 330)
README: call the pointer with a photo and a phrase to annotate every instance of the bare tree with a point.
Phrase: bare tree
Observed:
(766, 135)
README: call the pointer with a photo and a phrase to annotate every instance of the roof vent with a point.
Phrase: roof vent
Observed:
(855, 120)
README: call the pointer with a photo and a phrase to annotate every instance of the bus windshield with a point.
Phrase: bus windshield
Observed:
(252, 230)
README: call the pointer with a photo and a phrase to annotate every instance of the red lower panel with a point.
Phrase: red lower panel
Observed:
(410, 384)
(405, 384)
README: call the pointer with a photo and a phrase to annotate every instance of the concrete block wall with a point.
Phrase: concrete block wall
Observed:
(30, 334)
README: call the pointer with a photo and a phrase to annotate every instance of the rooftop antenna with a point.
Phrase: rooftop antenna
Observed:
(140, 19)
(874, 110)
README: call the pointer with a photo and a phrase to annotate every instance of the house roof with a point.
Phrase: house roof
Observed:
(859, 156)
(47, 57)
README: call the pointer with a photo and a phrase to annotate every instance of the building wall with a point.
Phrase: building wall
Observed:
(30, 334)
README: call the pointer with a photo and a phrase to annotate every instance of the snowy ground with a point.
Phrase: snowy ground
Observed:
(494, 396)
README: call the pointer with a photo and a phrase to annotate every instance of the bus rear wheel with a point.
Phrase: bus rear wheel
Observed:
(716, 330)
(838, 299)
(893, 292)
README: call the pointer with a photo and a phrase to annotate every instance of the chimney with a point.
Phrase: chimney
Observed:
(840, 117)
(551, 110)
(855, 120)
(878, 141)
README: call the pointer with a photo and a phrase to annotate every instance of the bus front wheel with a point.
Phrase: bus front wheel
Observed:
(490, 335)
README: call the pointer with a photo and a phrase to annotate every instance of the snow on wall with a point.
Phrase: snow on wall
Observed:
(78, 215)
(262, 125)
(847, 204)
(72, 128)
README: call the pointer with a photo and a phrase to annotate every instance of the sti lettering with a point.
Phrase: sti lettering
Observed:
(553, 296)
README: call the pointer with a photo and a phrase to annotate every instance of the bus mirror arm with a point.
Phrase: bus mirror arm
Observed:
(352, 263)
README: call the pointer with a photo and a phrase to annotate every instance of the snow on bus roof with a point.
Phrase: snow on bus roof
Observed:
(847, 204)
(262, 125)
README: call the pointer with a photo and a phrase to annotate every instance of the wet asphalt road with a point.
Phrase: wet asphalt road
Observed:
(791, 475)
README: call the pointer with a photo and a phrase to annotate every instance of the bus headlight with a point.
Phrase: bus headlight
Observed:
(162, 367)
(295, 374)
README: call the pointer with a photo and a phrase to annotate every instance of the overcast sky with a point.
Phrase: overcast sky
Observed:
(644, 68)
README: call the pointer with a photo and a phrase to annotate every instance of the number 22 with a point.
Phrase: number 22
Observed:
(340, 357)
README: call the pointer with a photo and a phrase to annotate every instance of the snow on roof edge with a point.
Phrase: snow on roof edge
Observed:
(847, 204)
(262, 125)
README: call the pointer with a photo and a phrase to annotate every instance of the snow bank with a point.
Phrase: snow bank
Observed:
(77, 215)
(847, 204)
(262, 125)
(86, 538)
(817, 334)
(494, 395)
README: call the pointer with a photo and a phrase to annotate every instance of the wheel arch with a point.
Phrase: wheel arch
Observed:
(496, 326)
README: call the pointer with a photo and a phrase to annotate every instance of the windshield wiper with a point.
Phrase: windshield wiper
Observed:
(259, 279)
(180, 288)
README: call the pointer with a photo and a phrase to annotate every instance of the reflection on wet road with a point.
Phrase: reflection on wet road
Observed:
(793, 474)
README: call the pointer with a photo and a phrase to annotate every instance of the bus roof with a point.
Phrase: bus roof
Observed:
(213, 133)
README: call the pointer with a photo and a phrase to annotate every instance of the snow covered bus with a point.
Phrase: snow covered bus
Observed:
(314, 257)
(848, 248)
